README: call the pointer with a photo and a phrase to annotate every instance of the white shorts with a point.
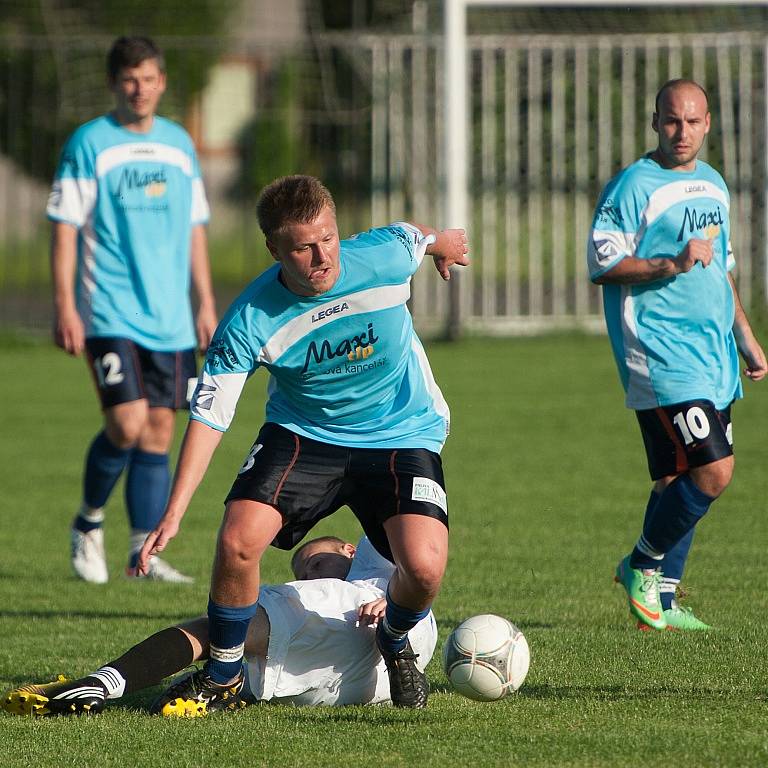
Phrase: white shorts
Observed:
(317, 654)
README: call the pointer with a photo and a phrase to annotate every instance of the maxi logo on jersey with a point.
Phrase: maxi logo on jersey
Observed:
(154, 183)
(358, 347)
(707, 222)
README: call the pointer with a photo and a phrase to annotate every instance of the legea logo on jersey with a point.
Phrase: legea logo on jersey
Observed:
(357, 347)
(708, 223)
(154, 183)
(324, 314)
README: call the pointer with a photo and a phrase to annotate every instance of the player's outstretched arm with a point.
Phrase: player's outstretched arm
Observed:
(197, 449)
(748, 346)
(201, 279)
(68, 329)
(450, 247)
(631, 269)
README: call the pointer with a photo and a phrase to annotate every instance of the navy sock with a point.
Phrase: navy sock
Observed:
(392, 630)
(679, 509)
(146, 488)
(227, 628)
(103, 466)
(674, 560)
(650, 508)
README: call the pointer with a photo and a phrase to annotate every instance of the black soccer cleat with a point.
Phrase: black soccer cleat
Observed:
(62, 697)
(195, 695)
(408, 685)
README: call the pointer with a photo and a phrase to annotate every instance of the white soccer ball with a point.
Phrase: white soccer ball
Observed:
(486, 657)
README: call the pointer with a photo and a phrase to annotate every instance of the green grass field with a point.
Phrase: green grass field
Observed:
(547, 483)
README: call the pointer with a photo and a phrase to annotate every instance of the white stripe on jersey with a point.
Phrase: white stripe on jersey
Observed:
(200, 210)
(420, 240)
(663, 198)
(441, 406)
(606, 247)
(142, 151)
(639, 386)
(370, 300)
(87, 272)
(215, 398)
(72, 200)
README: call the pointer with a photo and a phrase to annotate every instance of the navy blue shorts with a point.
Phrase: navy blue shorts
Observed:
(679, 437)
(307, 480)
(124, 371)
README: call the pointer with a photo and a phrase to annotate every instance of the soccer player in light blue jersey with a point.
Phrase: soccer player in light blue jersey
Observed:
(354, 417)
(660, 246)
(129, 212)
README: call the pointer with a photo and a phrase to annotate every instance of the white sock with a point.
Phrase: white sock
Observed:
(95, 515)
(113, 681)
(138, 537)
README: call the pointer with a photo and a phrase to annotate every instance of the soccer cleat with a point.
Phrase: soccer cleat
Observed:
(679, 618)
(61, 697)
(642, 589)
(160, 570)
(88, 560)
(408, 685)
(195, 695)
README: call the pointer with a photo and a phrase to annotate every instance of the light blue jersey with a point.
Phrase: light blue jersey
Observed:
(134, 198)
(346, 367)
(672, 339)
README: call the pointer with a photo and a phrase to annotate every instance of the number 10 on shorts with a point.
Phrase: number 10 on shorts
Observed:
(692, 424)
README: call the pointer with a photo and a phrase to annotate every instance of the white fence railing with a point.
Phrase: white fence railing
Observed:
(551, 119)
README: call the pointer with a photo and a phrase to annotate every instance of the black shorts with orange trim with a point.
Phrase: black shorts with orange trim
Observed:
(686, 435)
(124, 371)
(307, 480)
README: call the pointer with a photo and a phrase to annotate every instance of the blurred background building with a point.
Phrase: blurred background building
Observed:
(353, 91)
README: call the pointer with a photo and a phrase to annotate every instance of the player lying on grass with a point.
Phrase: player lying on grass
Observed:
(310, 642)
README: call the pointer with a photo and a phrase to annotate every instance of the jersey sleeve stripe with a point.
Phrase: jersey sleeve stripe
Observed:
(71, 200)
(215, 398)
(200, 209)
(606, 248)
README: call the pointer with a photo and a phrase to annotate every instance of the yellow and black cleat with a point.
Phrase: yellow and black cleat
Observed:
(60, 697)
(196, 695)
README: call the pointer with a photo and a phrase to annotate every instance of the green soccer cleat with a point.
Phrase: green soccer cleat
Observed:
(680, 618)
(196, 695)
(61, 697)
(642, 593)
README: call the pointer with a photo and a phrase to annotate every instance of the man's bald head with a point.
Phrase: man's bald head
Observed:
(678, 83)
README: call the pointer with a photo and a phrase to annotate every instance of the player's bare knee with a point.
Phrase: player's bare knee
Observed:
(714, 478)
(423, 578)
(124, 434)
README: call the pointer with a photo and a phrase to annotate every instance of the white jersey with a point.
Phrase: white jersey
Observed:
(317, 654)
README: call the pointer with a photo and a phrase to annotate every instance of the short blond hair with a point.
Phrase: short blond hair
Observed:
(292, 200)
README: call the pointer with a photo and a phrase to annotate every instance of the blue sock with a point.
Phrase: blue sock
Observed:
(146, 488)
(650, 508)
(667, 592)
(146, 493)
(677, 512)
(392, 630)
(674, 560)
(227, 628)
(103, 466)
